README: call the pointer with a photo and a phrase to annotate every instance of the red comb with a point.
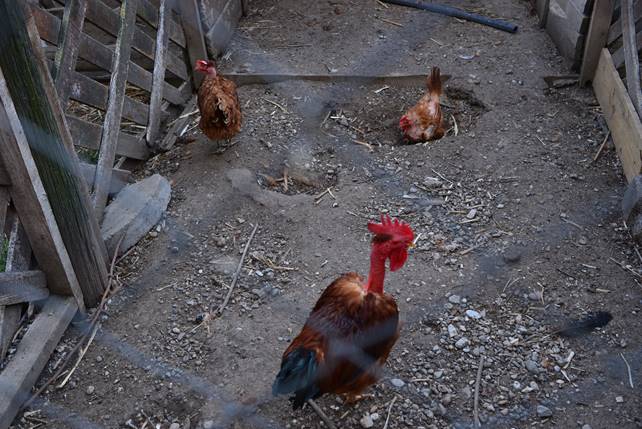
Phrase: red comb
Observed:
(398, 229)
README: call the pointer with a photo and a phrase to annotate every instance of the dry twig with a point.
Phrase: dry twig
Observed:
(601, 148)
(276, 104)
(237, 272)
(628, 368)
(321, 414)
(477, 383)
(385, 425)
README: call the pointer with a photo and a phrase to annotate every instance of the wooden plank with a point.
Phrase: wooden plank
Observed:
(162, 39)
(95, 94)
(395, 79)
(62, 180)
(119, 178)
(22, 286)
(620, 115)
(178, 125)
(4, 206)
(596, 38)
(631, 61)
(4, 179)
(618, 55)
(111, 127)
(34, 350)
(68, 47)
(149, 13)
(30, 199)
(87, 135)
(106, 19)
(18, 259)
(98, 54)
(191, 22)
(245, 7)
(616, 29)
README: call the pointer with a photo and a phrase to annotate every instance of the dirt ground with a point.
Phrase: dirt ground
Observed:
(520, 231)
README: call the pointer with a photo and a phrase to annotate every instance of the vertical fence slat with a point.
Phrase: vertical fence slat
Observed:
(162, 40)
(631, 62)
(68, 47)
(596, 38)
(191, 21)
(111, 127)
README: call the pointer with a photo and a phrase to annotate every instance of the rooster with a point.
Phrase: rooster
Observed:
(423, 122)
(352, 328)
(218, 104)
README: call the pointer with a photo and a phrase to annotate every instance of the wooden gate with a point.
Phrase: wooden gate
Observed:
(129, 64)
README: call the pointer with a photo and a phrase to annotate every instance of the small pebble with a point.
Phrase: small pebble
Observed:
(397, 382)
(461, 343)
(366, 421)
(174, 426)
(543, 411)
(586, 427)
(473, 314)
(90, 390)
(619, 399)
(208, 424)
(452, 331)
(454, 299)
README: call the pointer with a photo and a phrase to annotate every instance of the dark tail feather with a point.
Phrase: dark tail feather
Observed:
(434, 81)
(586, 325)
(298, 375)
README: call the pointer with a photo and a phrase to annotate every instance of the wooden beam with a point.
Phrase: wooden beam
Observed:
(107, 20)
(62, 180)
(147, 11)
(620, 115)
(100, 55)
(618, 54)
(22, 286)
(87, 135)
(596, 38)
(194, 38)
(162, 40)
(88, 91)
(68, 47)
(21, 373)
(396, 79)
(111, 127)
(4, 206)
(18, 259)
(616, 29)
(30, 199)
(631, 61)
(4, 178)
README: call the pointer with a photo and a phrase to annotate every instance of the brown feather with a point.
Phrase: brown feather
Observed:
(352, 333)
(219, 106)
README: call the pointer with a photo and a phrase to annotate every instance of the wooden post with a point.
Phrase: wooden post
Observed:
(46, 182)
(68, 47)
(191, 20)
(596, 38)
(111, 127)
(162, 40)
(631, 60)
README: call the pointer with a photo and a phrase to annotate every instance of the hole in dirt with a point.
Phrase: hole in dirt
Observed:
(312, 177)
(376, 120)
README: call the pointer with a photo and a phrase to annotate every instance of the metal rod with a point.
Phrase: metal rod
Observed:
(457, 13)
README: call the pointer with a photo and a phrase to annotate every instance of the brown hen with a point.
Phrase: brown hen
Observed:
(218, 104)
(423, 122)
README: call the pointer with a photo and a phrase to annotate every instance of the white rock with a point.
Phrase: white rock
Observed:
(461, 343)
(366, 421)
(397, 382)
(452, 331)
(454, 299)
(473, 314)
(619, 399)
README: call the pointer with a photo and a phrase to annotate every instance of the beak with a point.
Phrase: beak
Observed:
(411, 245)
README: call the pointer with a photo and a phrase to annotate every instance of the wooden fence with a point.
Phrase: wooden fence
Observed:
(612, 49)
(129, 65)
